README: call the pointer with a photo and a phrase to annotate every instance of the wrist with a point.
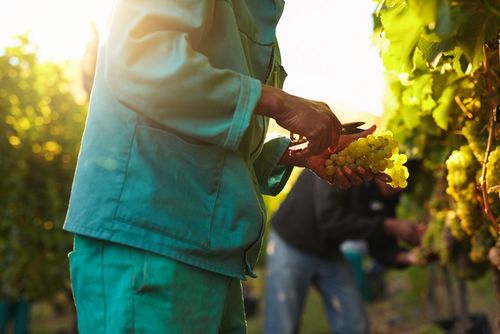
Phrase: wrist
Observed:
(271, 102)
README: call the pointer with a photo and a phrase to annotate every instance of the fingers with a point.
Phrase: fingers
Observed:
(353, 177)
(415, 257)
(322, 131)
(412, 235)
(345, 177)
(340, 180)
(383, 177)
(365, 174)
(316, 145)
(420, 229)
(326, 136)
(417, 236)
(302, 153)
(312, 120)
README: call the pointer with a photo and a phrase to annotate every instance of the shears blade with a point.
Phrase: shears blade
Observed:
(299, 142)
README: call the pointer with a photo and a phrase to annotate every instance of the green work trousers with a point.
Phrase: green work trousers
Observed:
(119, 289)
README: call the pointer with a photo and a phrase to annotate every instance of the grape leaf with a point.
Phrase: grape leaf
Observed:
(410, 115)
(402, 28)
(471, 38)
(440, 113)
(432, 48)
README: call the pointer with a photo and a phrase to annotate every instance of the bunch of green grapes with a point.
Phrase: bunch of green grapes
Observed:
(453, 224)
(469, 212)
(378, 153)
(480, 244)
(462, 169)
(470, 270)
(477, 136)
(434, 240)
(493, 171)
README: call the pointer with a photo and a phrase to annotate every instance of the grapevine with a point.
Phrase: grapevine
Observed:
(443, 73)
(493, 172)
(476, 136)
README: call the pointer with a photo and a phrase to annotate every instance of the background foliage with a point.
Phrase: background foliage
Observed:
(40, 129)
(443, 74)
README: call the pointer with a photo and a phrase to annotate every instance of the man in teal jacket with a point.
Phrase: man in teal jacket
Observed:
(166, 202)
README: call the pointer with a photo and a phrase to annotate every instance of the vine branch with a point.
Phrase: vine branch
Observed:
(462, 107)
(491, 124)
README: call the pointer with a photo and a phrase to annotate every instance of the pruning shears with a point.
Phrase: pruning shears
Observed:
(351, 128)
(300, 142)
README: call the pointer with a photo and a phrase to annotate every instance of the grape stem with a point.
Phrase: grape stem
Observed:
(491, 124)
(462, 107)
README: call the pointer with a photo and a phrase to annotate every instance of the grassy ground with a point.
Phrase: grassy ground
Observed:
(405, 309)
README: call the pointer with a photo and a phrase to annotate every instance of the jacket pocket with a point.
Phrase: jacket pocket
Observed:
(88, 288)
(171, 185)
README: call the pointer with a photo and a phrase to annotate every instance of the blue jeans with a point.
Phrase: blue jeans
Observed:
(290, 272)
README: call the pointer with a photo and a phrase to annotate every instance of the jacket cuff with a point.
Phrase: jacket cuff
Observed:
(271, 175)
(250, 92)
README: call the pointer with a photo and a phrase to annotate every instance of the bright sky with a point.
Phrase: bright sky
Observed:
(60, 27)
(327, 51)
(326, 47)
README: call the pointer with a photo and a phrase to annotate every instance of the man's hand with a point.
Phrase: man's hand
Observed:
(413, 256)
(403, 230)
(310, 119)
(343, 177)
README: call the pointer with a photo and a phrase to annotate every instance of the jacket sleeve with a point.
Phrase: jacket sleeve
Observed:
(153, 67)
(337, 219)
(271, 175)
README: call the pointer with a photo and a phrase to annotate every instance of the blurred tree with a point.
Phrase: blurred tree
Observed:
(90, 59)
(41, 125)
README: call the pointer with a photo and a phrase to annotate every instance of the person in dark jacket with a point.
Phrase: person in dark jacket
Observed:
(303, 250)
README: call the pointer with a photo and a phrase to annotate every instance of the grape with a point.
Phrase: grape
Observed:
(493, 171)
(471, 216)
(480, 244)
(475, 133)
(378, 153)
(453, 224)
(463, 180)
(463, 169)
(433, 240)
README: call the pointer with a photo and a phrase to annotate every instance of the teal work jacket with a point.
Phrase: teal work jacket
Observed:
(173, 160)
